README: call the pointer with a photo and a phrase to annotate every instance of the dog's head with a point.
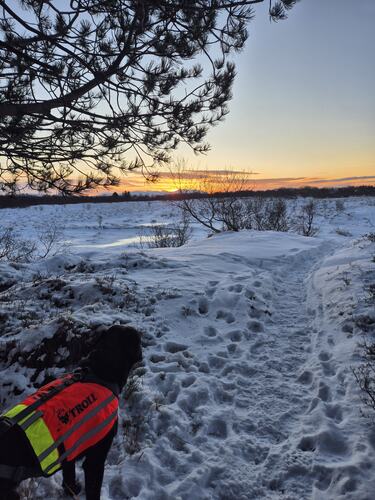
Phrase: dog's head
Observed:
(116, 352)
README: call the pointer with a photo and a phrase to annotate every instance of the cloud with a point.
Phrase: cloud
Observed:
(346, 179)
(198, 173)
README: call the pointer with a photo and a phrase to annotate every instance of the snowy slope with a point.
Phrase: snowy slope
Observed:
(249, 338)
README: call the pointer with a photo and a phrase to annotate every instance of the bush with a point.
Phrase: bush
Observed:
(219, 206)
(268, 214)
(231, 213)
(276, 215)
(305, 219)
(176, 235)
(14, 248)
(365, 375)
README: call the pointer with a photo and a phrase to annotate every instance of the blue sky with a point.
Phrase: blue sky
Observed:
(304, 100)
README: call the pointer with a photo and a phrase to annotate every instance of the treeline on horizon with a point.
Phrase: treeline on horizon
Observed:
(26, 200)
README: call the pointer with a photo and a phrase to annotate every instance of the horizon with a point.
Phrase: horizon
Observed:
(167, 183)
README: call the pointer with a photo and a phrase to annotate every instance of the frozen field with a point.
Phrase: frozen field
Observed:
(247, 390)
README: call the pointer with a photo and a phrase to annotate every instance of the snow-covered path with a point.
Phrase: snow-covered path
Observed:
(229, 372)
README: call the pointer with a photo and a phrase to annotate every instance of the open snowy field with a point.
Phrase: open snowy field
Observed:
(250, 338)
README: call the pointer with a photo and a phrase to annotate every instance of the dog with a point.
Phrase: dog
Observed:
(79, 414)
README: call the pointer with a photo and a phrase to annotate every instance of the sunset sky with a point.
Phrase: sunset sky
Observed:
(303, 108)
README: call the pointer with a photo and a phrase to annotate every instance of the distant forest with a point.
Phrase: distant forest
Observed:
(26, 200)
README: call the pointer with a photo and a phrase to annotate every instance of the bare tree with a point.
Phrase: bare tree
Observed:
(15, 249)
(268, 214)
(216, 204)
(92, 88)
(51, 240)
(305, 219)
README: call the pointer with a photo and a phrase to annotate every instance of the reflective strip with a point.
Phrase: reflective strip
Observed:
(82, 439)
(41, 438)
(13, 412)
(78, 424)
(37, 433)
(14, 415)
(30, 419)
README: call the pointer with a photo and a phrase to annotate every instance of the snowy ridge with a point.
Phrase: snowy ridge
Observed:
(341, 439)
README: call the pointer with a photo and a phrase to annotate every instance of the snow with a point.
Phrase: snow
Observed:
(247, 390)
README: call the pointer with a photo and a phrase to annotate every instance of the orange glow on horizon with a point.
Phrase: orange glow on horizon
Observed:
(197, 180)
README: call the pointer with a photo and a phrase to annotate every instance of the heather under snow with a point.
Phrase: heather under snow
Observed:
(250, 341)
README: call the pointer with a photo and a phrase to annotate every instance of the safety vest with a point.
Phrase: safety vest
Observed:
(61, 427)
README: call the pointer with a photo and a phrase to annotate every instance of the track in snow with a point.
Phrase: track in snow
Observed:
(229, 376)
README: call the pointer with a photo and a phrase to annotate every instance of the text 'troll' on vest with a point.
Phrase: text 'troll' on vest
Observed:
(62, 426)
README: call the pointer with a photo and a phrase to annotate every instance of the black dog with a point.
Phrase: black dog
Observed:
(109, 365)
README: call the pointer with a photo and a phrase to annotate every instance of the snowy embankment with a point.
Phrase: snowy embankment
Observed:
(249, 338)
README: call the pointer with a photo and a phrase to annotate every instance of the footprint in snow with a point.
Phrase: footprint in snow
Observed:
(193, 398)
(204, 368)
(257, 347)
(334, 412)
(329, 369)
(250, 294)
(174, 347)
(234, 335)
(222, 396)
(210, 292)
(226, 315)
(218, 428)
(216, 361)
(235, 288)
(306, 377)
(188, 381)
(254, 312)
(323, 475)
(255, 326)
(328, 441)
(210, 331)
(324, 392)
(203, 305)
(325, 356)
(157, 358)
(232, 349)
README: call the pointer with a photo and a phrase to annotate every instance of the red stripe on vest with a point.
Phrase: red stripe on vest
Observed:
(67, 408)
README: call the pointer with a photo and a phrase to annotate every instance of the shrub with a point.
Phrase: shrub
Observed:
(305, 219)
(365, 375)
(176, 235)
(276, 215)
(217, 203)
(15, 249)
(268, 215)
